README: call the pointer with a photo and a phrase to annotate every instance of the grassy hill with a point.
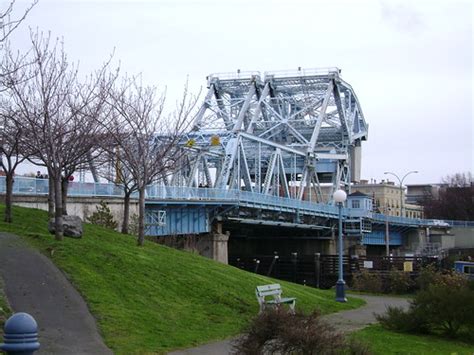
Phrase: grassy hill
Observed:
(153, 299)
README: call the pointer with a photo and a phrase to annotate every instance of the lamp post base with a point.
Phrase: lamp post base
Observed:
(340, 291)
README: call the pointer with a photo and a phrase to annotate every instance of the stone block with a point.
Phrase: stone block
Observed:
(72, 226)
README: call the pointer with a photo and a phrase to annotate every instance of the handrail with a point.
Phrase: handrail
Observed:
(302, 72)
(34, 186)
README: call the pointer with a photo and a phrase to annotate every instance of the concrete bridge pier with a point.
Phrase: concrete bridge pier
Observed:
(219, 241)
(358, 249)
(213, 245)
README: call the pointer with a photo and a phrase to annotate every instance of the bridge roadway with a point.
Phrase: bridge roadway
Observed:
(185, 195)
(158, 195)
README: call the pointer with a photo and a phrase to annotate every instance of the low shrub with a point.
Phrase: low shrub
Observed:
(280, 332)
(397, 319)
(426, 277)
(366, 281)
(444, 305)
(133, 224)
(447, 308)
(399, 282)
(103, 217)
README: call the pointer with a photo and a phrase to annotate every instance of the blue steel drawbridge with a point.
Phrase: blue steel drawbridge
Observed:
(282, 134)
(268, 149)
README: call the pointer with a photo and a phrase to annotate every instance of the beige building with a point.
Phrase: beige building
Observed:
(386, 198)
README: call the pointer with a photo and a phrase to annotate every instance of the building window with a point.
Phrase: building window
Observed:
(469, 269)
(355, 204)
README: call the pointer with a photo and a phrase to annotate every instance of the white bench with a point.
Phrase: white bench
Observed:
(275, 291)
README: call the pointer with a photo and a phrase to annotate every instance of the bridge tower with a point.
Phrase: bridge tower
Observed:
(283, 133)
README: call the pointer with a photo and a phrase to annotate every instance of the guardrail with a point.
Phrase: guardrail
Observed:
(234, 76)
(302, 72)
(159, 192)
(33, 186)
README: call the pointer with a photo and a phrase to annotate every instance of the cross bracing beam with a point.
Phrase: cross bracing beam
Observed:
(282, 133)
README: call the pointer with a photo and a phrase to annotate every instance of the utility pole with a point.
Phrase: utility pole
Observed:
(387, 234)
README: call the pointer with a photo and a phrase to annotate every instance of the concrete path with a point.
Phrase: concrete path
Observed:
(346, 321)
(34, 285)
(355, 319)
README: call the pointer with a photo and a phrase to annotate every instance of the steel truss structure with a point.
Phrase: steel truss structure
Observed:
(285, 134)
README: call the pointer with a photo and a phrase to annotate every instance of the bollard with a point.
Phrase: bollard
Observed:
(257, 264)
(20, 335)
(317, 268)
(294, 259)
(275, 258)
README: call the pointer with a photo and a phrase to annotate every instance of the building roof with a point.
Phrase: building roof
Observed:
(359, 194)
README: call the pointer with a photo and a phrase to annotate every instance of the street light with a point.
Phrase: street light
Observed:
(339, 197)
(401, 187)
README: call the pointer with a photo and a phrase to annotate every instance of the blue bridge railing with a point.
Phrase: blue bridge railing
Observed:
(32, 186)
(156, 193)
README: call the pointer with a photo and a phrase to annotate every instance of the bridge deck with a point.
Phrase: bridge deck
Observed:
(182, 196)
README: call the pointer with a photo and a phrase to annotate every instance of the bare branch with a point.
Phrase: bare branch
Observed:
(58, 112)
(146, 139)
(7, 24)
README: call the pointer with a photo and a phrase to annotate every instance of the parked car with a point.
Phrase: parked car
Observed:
(440, 223)
(465, 267)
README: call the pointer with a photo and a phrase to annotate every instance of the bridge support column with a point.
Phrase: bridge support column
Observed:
(359, 250)
(219, 247)
(219, 242)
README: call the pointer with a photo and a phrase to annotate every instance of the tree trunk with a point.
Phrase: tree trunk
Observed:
(50, 195)
(141, 216)
(64, 187)
(126, 212)
(8, 197)
(58, 215)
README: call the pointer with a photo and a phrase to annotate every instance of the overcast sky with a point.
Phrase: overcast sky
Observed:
(409, 62)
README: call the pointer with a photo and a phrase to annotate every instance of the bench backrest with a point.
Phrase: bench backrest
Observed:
(268, 290)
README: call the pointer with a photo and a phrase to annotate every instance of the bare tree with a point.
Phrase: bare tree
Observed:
(12, 151)
(458, 180)
(114, 172)
(146, 138)
(57, 112)
(8, 23)
(85, 133)
(129, 185)
(455, 201)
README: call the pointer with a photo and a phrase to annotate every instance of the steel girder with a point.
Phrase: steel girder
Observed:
(283, 133)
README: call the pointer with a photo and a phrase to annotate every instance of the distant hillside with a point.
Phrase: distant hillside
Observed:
(154, 299)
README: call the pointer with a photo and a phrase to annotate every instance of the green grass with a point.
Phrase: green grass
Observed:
(5, 311)
(152, 299)
(386, 342)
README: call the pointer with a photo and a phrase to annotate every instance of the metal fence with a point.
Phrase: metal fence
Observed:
(322, 270)
(35, 186)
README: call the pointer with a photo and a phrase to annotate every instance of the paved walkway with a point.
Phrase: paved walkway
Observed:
(34, 285)
(355, 319)
(346, 321)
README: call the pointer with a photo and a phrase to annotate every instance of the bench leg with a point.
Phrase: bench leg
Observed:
(292, 307)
